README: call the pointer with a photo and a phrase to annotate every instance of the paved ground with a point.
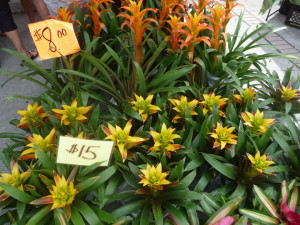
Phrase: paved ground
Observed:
(286, 41)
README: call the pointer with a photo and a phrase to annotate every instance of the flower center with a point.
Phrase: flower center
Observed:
(154, 178)
(143, 105)
(223, 135)
(14, 180)
(72, 113)
(210, 102)
(122, 137)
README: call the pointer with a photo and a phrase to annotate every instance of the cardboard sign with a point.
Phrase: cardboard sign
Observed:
(77, 151)
(54, 38)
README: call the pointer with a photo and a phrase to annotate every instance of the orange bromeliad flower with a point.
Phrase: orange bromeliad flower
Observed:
(33, 115)
(65, 15)
(175, 37)
(137, 25)
(94, 7)
(201, 5)
(223, 136)
(61, 195)
(122, 138)
(195, 25)
(168, 7)
(218, 18)
(257, 122)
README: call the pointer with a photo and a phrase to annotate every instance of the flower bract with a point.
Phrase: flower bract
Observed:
(259, 162)
(71, 114)
(61, 194)
(181, 105)
(154, 178)
(144, 106)
(45, 144)
(33, 115)
(210, 100)
(164, 141)
(122, 138)
(15, 179)
(287, 93)
(223, 136)
(257, 122)
(247, 94)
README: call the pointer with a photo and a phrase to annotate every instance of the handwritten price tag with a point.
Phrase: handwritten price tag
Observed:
(54, 38)
(83, 152)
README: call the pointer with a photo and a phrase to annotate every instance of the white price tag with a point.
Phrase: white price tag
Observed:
(77, 151)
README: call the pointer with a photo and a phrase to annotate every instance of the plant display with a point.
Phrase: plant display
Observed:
(203, 131)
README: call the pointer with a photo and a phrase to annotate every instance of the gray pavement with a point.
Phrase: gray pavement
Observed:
(288, 38)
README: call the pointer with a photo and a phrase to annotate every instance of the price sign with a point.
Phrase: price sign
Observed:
(77, 151)
(54, 38)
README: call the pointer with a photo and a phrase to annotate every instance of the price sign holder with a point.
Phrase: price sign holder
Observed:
(77, 151)
(54, 38)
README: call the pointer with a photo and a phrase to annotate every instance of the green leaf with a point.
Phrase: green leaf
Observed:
(242, 221)
(277, 169)
(44, 158)
(20, 209)
(89, 169)
(222, 168)
(157, 213)
(129, 208)
(145, 216)
(105, 216)
(16, 193)
(239, 191)
(287, 76)
(265, 201)
(279, 138)
(37, 217)
(141, 81)
(87, 212)
(170, 76)
(224, 211)
(178, 216)
(59, 217)
(259, 217)
(12, 135)
(86, 183)
(76, 217)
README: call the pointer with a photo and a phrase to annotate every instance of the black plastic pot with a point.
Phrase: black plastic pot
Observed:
(285, 7)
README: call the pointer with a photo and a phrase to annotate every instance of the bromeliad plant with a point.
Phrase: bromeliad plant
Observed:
(193, 134)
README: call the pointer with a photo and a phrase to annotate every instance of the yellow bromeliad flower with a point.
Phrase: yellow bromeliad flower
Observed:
(71, 114)
(122, 138)
(223, 136)
(247, 94)
(287, 93)
(45, 144)
(259, 164)
(164, 140)
(181, 105)
(15, 179)
(61, 195)
(144, 106)
(32, 115)
(209, 102)
(257, 122)
(154, 178)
